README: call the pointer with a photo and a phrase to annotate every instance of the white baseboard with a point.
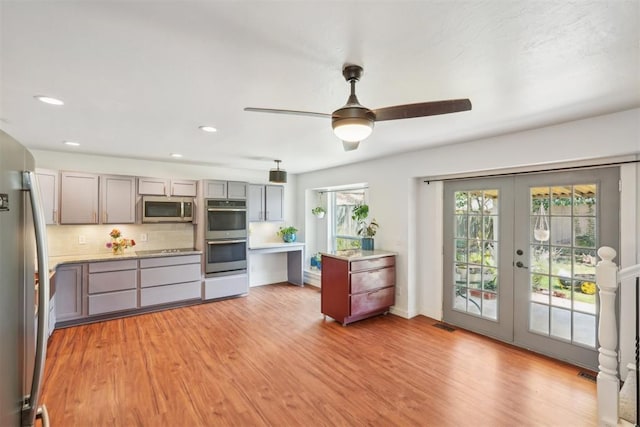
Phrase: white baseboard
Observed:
(313, 278)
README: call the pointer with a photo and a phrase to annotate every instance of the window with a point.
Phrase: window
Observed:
(344, 234)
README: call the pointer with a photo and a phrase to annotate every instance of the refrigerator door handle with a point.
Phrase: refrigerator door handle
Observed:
(30, 408)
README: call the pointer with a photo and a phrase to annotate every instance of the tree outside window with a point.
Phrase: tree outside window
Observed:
(345, 235)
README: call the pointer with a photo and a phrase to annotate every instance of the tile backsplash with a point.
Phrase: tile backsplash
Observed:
(66, 240)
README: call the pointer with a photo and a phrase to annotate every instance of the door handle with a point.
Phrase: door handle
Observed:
(30, 406)
(519, 264)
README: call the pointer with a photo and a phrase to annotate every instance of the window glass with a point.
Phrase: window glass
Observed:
(345, 235)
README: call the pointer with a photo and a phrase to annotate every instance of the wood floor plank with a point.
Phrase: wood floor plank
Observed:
(270, 359)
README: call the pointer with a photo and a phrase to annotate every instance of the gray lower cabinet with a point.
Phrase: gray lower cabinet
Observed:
(225, 286)
(165, 280)
(112, 286)
(68, 297)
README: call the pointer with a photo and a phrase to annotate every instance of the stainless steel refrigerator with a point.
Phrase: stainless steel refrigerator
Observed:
(24, 303)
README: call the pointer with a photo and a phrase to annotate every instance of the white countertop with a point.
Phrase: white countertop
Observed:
(54, 261)
(254, 246)
(357, 254)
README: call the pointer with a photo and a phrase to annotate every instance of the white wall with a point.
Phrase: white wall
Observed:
(410, 212)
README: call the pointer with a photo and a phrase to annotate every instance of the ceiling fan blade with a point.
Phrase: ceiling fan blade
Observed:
(292, 112)
(422, 109)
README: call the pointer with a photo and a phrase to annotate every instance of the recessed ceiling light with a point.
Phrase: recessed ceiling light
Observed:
(71, 143)
(49, 100)
(176, 155)
(208, 128)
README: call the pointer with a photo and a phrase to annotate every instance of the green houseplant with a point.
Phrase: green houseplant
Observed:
(365, 229)
(288, 234)
(319, 211)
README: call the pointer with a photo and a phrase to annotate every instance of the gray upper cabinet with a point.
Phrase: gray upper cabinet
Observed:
(166, 187)
(48, 183)
(78, 198)
(215, 189)
(184, 188)
(152, 186)
(255, 206)
(266, 203)
(274, 202)
(90, 199)
(118, 199)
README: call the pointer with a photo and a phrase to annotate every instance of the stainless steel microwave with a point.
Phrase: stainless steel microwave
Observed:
(167, 209)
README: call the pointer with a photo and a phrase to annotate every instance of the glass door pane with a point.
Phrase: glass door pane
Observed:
(478, 271)
(476, 246)
(562, 262)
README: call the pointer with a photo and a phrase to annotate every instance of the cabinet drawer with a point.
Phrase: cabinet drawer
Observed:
(372, 279)
(368, 264)
(170, 293)
(225, 286)
(98, 267)
(169, 275)
(169, 260)
(372, 301)
(112, 301)
(112, 281)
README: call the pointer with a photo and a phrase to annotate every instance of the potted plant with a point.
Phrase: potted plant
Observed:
(288, 234)
(365, 229)
(319, 212)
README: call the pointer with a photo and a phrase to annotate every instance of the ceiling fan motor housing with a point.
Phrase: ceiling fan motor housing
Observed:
(353, 123)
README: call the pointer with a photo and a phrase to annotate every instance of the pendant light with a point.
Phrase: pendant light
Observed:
(277, 175)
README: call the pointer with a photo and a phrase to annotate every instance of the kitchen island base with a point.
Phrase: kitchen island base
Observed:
(357, 285)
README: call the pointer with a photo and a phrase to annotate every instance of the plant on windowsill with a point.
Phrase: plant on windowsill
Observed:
(319, 212)
(288, 234)
(365, 229)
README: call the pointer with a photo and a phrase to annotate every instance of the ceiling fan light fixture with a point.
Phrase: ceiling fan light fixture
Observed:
(352, 129)
(278, 175)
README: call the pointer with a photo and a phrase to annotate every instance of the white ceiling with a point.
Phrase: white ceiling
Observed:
(139, 77)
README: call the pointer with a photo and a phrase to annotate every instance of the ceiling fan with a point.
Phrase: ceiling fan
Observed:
(354, 122)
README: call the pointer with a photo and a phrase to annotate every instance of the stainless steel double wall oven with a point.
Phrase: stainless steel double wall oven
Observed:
(226, 237)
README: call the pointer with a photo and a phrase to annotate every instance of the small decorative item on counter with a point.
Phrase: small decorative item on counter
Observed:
(288, 234)
(118, 243)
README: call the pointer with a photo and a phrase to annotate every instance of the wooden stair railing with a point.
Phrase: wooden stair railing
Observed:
(608, 279)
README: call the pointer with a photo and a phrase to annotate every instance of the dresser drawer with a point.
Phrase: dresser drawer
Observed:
(368, 264)
(372, 301)
(372, 279)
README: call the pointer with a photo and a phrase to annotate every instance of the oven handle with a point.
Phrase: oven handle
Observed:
(226, 210)
(224, 242)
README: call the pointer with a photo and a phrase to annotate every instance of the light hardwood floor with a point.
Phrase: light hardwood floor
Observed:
(269, 359)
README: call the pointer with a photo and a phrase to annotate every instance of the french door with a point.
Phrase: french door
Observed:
(520, 255)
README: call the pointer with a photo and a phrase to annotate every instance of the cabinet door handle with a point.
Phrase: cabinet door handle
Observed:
(55, 216)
